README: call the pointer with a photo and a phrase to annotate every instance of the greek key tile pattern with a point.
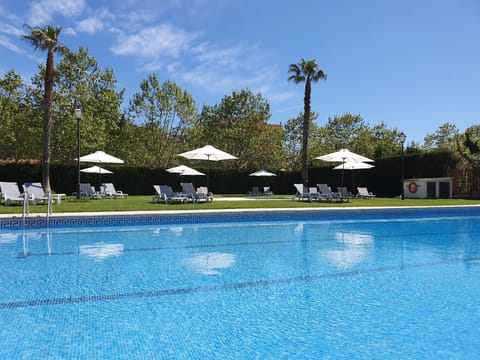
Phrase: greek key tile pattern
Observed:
(39, 222)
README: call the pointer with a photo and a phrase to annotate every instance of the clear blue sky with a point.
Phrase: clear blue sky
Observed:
(414, 64)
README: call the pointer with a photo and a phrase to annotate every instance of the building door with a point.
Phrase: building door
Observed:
(444, 190)
(431, 190)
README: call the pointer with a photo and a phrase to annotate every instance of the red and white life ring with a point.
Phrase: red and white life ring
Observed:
(412, 187)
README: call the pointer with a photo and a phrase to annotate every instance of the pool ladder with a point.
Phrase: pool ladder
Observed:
(26, 210)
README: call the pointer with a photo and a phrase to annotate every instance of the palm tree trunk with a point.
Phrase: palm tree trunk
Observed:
(306, 129)
(47, 121)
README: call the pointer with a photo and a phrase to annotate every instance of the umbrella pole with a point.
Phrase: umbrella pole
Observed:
(343, 170)
(208, 171)
(100, 179)
(208, 174)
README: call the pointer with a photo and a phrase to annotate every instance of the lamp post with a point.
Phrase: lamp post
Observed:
(340, 139)
(402, 138)
(78, 115)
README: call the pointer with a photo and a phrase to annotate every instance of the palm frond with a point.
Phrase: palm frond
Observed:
(296, 72)
(319, 75)
(45, 38)
(296, 78)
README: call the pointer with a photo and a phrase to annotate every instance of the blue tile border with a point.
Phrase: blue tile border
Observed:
(39, 222)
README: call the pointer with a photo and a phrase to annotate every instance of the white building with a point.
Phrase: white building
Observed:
(428, 188)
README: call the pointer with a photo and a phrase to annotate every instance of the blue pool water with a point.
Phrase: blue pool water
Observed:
(378, 287)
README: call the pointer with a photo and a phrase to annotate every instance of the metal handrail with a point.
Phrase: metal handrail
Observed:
(49, 208)
(25, 209)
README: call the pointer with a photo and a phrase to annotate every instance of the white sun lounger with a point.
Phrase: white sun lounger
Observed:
(10, 193)
(35, 192)
(363, 193)
(110, 191)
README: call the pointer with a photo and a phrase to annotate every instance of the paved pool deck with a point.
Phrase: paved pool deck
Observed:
(214, 211)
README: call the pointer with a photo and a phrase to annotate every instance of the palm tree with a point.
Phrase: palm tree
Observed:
(306, 71)
(46, 39)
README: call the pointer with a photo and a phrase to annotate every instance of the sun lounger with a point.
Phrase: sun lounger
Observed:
(267, 190)
(325, 191)
(35, 192)
(255, 191)
(167, 195)
(343, 190)
(314, 194)
(10, 193)
(363, 193)
(88, 191)
(204, 190)
(157, 196)
(195, 196)
(110, 191)
(304, 195)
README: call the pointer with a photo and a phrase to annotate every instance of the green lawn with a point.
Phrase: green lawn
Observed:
(144, 203)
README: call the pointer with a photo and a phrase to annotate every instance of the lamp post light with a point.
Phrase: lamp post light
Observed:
(402, 138)
(78, 115)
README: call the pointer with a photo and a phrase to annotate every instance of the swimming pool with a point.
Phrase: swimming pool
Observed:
(385, 284)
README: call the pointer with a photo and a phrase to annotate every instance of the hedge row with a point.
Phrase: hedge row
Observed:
(383, 179)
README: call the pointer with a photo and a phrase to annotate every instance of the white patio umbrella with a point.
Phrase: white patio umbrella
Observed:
(101, 157)
(262, 173)
(184, 170)
(351, 165)
(208, 153)
(96, 170)
(343, 156)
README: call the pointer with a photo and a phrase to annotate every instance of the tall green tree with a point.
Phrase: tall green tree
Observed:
(16, 125)
(444, 139)
(467, 172)
(292, 143)
(306, 71)
(239, 125)
(383, 141)
(80, 78)
(346, 131)
(167, 113)
(47, 39)
(469, 149)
